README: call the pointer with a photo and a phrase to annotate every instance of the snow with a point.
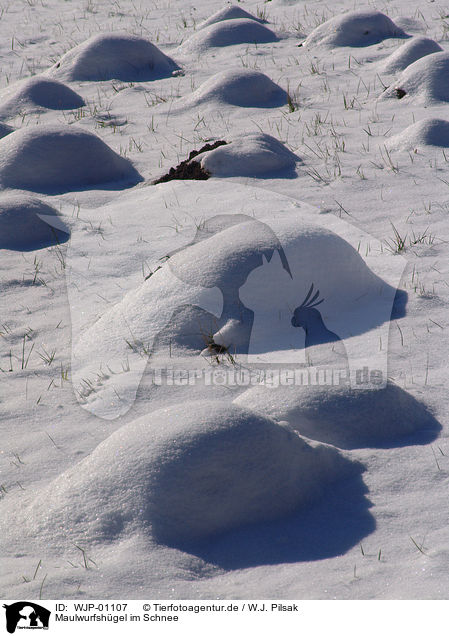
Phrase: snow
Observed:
(35, 94)
(344, 416)
(424, 81)
(414, 49)
(155, 340)
(113, 56)
(182, 474)
(26, 223)
(355, 28)
(240, 87)
(426, 132)
(228, 33)
(249, 155)
(233, 12)
(58, 158)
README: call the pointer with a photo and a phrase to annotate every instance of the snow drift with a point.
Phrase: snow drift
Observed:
(228, 33)
(425, 80)
(26, 223)
(114, 56)
(59, 159)
(184, 473)
(343, 416)
(38, 93)
(249, 155)
(355, 28)
(427, 132)
(241, 87)
(233, 12)
(413, 50)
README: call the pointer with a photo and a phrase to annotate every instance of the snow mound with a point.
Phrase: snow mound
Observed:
(249, 155)
(26, 223)
(413, 50)
(343, 416)
(232, 12)
(114, 56)
(242, 87)
(356, 28)
(237, 269)
(184, 473)
(427, 132)
(59, 159)
(228, 33)
(37, 93)
(425, 80)
(5, 130)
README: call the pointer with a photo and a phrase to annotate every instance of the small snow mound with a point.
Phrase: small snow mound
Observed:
(356, 28)
(232, 12)
(425, 80)
(413, 50)
(228, 33)
(114, 56)
(343, 416)
(37, 93)
(27, 224)
(59, 159)
(184, 473)
(427, 132)
(243, 87)
(249, 155)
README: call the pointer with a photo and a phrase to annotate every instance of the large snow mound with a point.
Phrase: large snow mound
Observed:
(425, 80)
(59, 159)
(355, 28)
(250, 279)
(114, 56)
(413, 50)
(232, 12)
(343, 416)
(184, 473)
(242, 87)
(38, 93)
(26, 223)
(249, 155)
(427, 132)
(228, 33)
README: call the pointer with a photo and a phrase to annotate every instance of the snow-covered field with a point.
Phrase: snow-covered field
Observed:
(233, 386)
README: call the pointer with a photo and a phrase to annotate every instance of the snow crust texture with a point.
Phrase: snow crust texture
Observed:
(59, 158)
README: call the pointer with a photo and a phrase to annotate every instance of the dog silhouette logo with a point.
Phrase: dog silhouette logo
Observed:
(26, 615)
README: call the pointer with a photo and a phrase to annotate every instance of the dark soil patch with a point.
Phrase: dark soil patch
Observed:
(399, 93)
(189, 169)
